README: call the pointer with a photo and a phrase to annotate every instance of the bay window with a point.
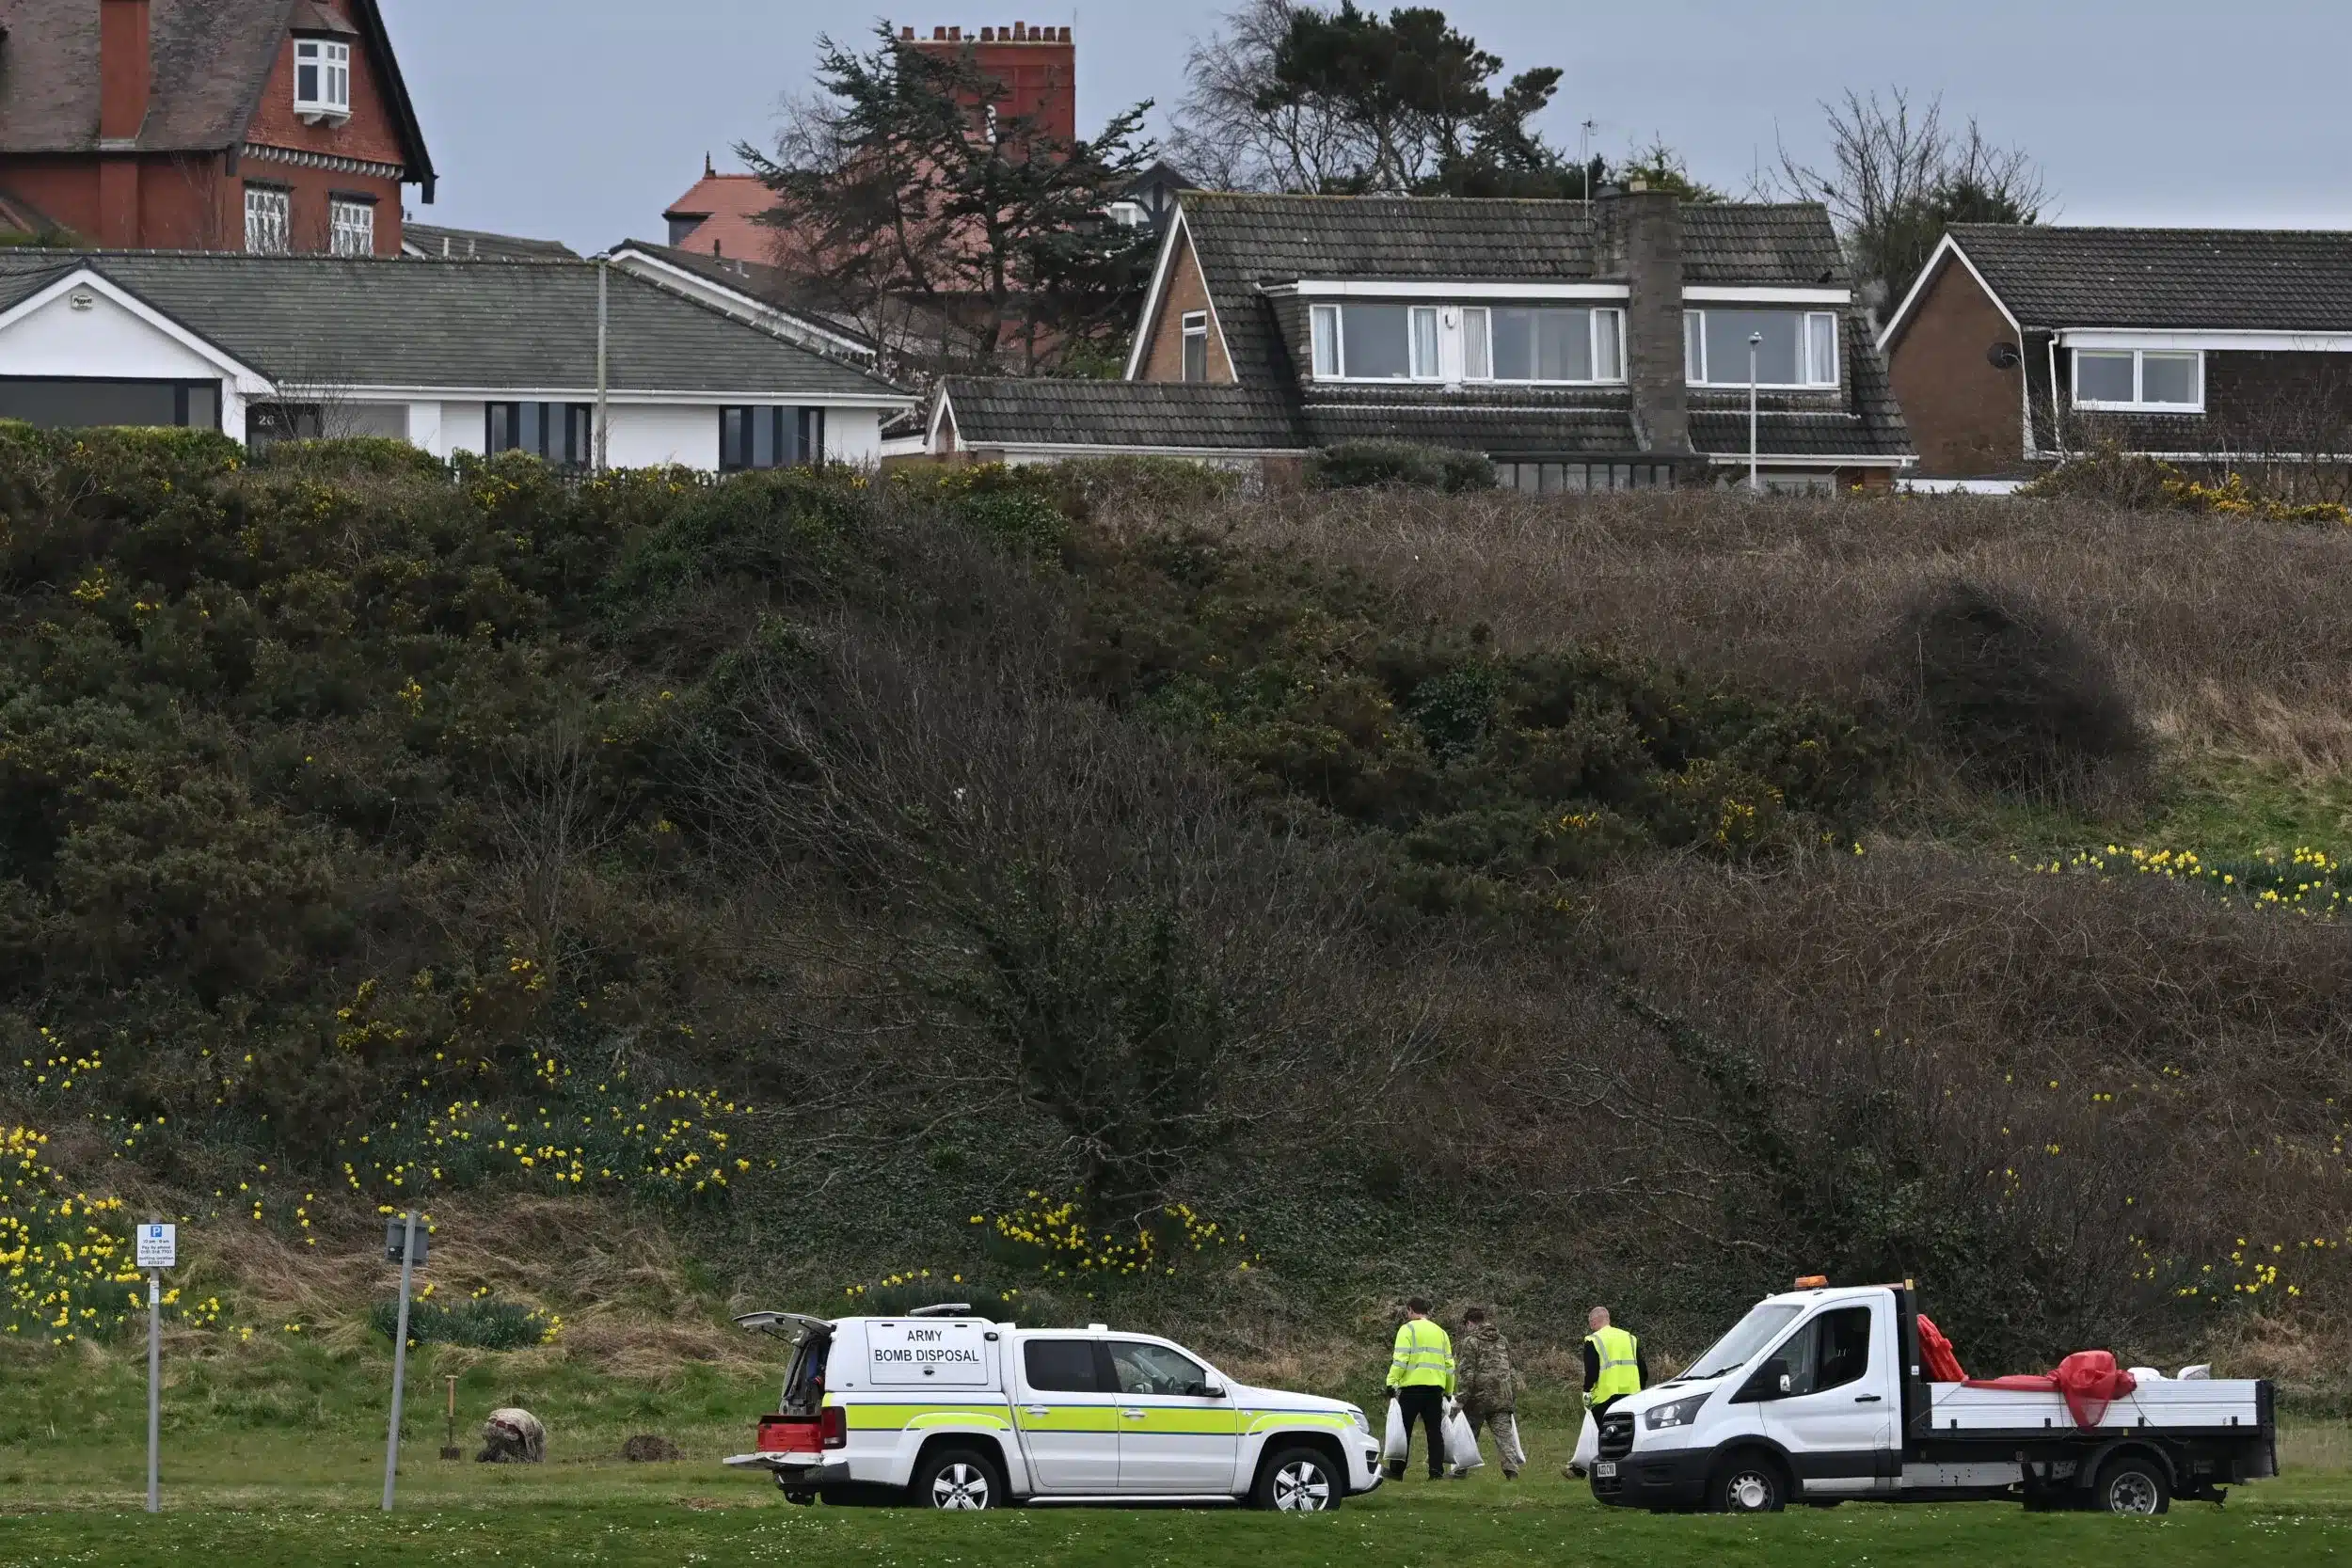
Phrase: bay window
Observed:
(322, 78)
(2139, 379)
(1797, 348)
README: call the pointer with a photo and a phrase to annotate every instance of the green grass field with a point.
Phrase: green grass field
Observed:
(279, 1460)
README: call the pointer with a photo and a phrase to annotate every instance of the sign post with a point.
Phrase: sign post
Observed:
(158, 1249)
(406, 1244)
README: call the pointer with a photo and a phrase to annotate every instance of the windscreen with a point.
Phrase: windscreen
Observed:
(1748, 1336)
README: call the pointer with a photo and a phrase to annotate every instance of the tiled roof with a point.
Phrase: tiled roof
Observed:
(730, 206)
(437, 243)
(211, 59)
(477, 324)
(1005, 411)
(2245, 279)
(754, 280)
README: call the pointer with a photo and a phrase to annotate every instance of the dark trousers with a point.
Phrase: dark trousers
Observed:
(1425, 1405)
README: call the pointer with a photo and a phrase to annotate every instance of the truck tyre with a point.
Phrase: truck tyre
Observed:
(962, 1479)
(1749, 1482)
(1299, 1480)
(2133, 1486)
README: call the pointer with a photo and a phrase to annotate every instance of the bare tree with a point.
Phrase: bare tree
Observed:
(1235, 132)
(1898, 176)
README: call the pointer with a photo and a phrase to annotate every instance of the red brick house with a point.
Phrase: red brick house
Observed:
(1036, 68)
(262, 125)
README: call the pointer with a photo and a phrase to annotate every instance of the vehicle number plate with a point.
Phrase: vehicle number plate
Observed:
(1606, 1470)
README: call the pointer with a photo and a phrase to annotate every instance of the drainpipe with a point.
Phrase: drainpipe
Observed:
(604, 339)
(2057, 430)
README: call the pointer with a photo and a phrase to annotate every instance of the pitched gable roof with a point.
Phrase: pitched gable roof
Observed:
(491, 325)
(434, 243)
(730, 206)
(2184, 279)
(210, 61)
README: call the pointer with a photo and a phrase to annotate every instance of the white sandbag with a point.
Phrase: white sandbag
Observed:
(1461, 1443)
(2198, 1373)
(1587, 1446)
(1392, 1447)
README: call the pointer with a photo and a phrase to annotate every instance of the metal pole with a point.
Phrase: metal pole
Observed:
(604, 337)
(1755, 480)
(155, 1390)
(400, 1354)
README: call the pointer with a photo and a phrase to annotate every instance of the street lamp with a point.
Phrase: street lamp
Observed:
(1755, 480)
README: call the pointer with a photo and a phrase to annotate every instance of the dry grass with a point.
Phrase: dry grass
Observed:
(2232, 635)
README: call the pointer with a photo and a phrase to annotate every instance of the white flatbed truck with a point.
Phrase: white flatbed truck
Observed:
(1817, 1396)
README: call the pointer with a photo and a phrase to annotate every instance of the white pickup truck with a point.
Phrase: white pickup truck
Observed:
(945, 1409)
(1817, 1395)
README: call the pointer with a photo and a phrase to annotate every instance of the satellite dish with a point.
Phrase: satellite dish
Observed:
(2003, 355)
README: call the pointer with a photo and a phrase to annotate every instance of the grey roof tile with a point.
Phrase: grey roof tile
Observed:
(434, 243)
(2246, 280)
(489, 324)
(1005, 410)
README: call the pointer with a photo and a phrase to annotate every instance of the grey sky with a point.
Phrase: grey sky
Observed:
(581, 119)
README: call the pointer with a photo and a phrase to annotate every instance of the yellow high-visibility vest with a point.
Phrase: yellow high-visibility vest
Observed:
(1423, 1358)
(1620, 1357)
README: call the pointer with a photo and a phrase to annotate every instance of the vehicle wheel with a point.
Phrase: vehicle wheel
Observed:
(957, 1478)
(1747, 1483)
(1299, 1480)
(2135, 1486)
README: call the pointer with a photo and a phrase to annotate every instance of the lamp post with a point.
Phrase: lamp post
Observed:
(1755, 479)
(403, 1243)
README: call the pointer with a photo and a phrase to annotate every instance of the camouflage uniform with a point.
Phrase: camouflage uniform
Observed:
(1489, 1389)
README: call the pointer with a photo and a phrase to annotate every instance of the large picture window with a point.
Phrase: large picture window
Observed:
(1375, 342)
(765, 437)
(1543, 343)
(561, 433)
(2136, 379)
(74, 403)
(1798, 348)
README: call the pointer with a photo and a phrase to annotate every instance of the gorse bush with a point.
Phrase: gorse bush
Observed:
(2011, 694)
(1399, 466)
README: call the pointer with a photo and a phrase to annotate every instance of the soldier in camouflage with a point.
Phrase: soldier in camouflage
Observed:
(1489, 1386)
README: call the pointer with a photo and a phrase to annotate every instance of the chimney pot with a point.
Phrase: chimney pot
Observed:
(1019, 31)
(988, 35)
(907, 33)
(939, 35)
(955, 34)
(1065, 35)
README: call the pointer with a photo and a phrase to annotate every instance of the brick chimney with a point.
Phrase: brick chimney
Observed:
(1037, 65)
(124, 69)
(1640, 240)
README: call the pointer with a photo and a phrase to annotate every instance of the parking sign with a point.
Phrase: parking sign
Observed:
(159, 1247)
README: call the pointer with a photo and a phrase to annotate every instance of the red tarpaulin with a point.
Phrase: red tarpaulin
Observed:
(1936, 1352)
(2089, 1379)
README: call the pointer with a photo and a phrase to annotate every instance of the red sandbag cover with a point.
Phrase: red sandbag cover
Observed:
(1936, 1353)
(2089, 1379)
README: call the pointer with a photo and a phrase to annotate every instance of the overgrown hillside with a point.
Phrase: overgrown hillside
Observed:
(1097, 884)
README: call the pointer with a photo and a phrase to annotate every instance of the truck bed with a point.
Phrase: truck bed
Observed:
(2192, 1405)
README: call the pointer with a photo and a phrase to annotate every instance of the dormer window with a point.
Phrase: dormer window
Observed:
(322, 79)
(1375, 342)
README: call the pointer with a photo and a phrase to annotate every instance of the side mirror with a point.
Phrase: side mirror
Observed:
(1769, 1382)
(1205, 1391)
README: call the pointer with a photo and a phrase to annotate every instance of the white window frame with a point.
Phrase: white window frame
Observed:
(1322, 342)
(1195, 329)
(2140, 404)
(350, 227)
(1696, 370)
(1605, 322)
(268, 220)
(331, 59)
(1328, 331)
(1424, 361)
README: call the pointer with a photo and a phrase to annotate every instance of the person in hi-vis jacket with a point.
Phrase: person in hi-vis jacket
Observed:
(1420, 1375)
